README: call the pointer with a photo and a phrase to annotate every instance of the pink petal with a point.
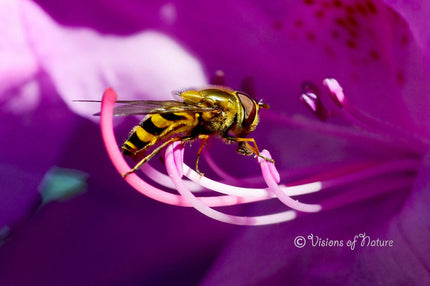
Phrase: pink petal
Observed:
(82, 62)
(18, 63)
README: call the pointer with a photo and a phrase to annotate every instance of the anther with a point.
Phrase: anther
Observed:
(310, 97)
(335, 91)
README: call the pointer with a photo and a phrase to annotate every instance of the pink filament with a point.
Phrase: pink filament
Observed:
(108, 101)
(239, 195)
(111, 145)
(197, 203)
(271, 176)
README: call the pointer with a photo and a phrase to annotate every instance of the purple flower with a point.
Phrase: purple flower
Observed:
(371, 154)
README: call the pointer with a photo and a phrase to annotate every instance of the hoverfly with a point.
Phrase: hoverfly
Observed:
(199, 114)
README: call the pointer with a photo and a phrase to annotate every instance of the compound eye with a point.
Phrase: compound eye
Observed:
(250, 108)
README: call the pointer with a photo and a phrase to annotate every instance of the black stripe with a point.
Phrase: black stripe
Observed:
(125, 151)
(136, 141)
(150, 127)
(172, 116)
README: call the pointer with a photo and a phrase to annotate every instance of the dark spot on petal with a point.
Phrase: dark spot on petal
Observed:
(350, 10)
(353, 33)
(309, 2)
(400, 78)
(298, 23)
(277, 25)
(329, 51)
(404, 40)
(326, 4)
(319, 14)
(337, 3)
(335, 34)
(361, 8)
(351, 44)
(374, 54)
(371, 7)
(311, 36)
(351, 20)
(340, 22)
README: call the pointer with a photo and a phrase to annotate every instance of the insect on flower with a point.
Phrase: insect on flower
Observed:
(198, 114)
(188, 183)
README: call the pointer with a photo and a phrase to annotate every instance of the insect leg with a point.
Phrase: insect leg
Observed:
(152, 154)
(247, 142)
(204, 138)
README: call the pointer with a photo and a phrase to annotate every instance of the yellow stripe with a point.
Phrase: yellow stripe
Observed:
(159, 121)
(130, 145)
(143, 135)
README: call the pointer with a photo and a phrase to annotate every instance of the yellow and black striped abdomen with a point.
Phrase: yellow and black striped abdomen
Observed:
(158, 127)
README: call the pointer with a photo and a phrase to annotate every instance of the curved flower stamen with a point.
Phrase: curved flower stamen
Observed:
(235, 195)
(325, 180)
(163, 179)
(172, 170)
(224, 188)
(271, 176)
(111, 145)
(332, 179)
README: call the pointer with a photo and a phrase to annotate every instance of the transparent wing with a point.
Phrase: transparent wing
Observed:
(153, 106)
(140, 107)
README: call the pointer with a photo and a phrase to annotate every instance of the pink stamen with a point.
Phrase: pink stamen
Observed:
(336, 91)
(235, 195)
(224, 188)
(206, 210)
(111, 145)
(164, 180)
(179, 155)
(311, 99)
(271, 176)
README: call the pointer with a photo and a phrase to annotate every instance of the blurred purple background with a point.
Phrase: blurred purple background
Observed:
(109, 234)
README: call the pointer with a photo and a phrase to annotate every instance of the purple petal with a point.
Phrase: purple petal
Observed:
(416, 14)
(408, 259)
(127, 239)
(32, 143)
